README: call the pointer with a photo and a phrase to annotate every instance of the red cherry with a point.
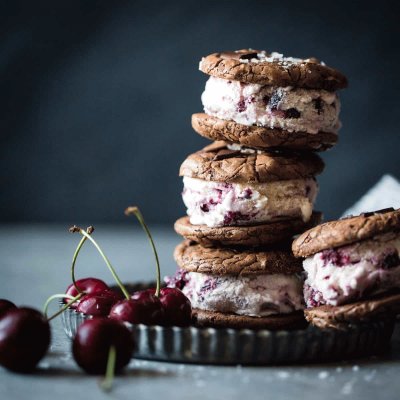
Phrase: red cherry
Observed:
(5, 305)
(98, 304)
(177, 307)
(87, 285)
(24, 339)
(92, 344)
(144, 295)
(143, 308)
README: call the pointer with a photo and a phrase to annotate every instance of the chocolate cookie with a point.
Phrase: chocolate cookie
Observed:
(260, 137)
(230, 261)
(255, 66)
(290, 321)
(346, 231)
(250, 235)
(217, 163)
(380, 307)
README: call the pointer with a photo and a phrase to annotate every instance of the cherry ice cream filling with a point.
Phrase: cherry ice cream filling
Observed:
(349, 273)
(287, 108)
(257, 296)
(222, 204)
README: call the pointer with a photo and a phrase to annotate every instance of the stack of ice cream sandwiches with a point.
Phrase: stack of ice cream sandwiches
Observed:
(252, 190)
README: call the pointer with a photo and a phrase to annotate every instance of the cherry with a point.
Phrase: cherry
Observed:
(24, 339)
(94, 295)
(88, 286)
(147, 311)
(144, 295)
(154, 306)
(147, 307)
(142, 308)
(93, 341)
(177, 307)
(5, 305)
(98, 304)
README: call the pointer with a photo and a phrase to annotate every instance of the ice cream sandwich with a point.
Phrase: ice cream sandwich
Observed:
(352, 268)
(267, 196)
(262, 100)
(245, 288)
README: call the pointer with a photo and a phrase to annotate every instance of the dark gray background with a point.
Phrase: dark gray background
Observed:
(96, 97)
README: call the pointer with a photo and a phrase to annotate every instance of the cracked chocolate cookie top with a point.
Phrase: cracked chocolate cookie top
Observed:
(217, 163)
(346, 231)
(230, 261)
(260, 137)
(258, 66)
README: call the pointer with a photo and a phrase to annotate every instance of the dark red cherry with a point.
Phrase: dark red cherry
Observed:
(144, 295)
(92, 342)
(87, 285)
(5, 305)
(98, 305)
(177, 307)
(143, 308)
(24, 339)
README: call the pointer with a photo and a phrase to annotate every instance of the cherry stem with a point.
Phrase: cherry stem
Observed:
(135, 211)
(107, 382)
(89, 230)
(51, 298)
(64, 307)
(106, 260)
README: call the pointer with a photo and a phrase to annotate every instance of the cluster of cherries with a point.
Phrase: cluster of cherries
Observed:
(170, 307)
(103, 343)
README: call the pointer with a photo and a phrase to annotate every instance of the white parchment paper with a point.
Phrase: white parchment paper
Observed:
(385, 193)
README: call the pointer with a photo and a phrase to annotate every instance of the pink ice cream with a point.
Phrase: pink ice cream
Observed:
(287, 108)
(256, 296)
(348, 273)
(220, 204)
